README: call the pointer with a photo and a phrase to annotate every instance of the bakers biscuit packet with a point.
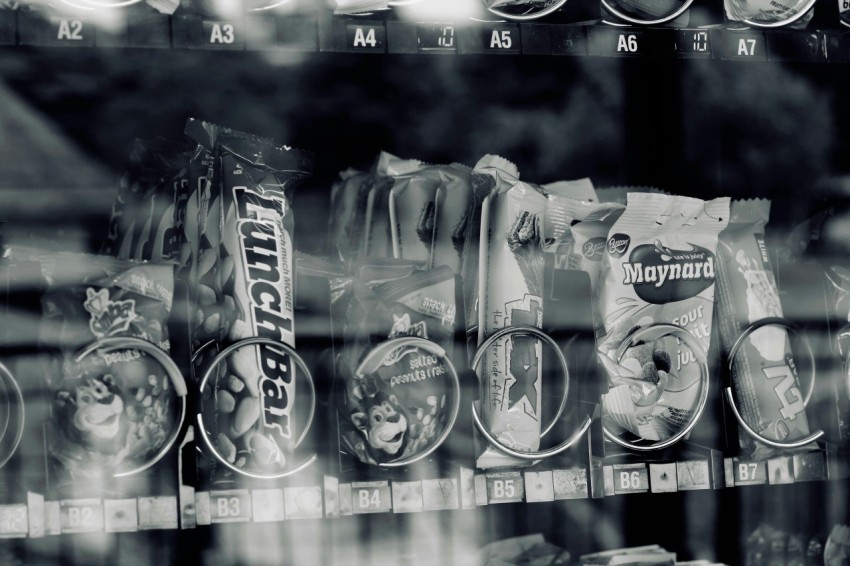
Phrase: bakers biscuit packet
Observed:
(764, 375)
(511, 293)
(400, 409)
(452, 209)
(412, 204)
(660, 267)
(576, 236)
(254, 419)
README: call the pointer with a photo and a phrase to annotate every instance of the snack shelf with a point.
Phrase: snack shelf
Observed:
(465, 490)
(327, 33)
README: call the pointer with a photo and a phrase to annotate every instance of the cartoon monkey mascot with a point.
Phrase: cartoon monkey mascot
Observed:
(382, 422)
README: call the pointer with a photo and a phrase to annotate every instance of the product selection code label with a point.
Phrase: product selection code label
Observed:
(749, 473)
(371, 497)
(743, 45)
(232, 506)
(500, 39)
(81, 515)
(505, 487)
(630, 478)
(366, 37)
(222, 34)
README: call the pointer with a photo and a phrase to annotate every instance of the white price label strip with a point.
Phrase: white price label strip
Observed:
(440, 494)
(13, 521)
(267, 505)
(303, 502)
(539, 486)
(158, 512)
(570, 483)
(120, 515)
(35, 504)
(407, 496)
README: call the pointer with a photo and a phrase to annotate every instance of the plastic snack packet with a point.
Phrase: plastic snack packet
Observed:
(764, 375)
(659, 268)
(401, 407)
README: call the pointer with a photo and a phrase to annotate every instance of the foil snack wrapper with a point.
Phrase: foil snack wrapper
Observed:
(764, 374)
(660, 267)
(511, 293)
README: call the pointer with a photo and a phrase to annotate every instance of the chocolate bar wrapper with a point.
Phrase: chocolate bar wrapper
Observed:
(399, 410)
(659, 268)
(345, 198)
(377, 234)
(412, 213)
(579, 189)
(764, 375)
(491, 173)
(511, 294)
(109, 412)
(452, 208)
(766, 11)
(254, 419)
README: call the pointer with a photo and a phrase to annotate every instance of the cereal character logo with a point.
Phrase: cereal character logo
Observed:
(382, 422)
(522, 354)
(91, 414)
(593, 249)
(663, 275)
(108, 317)
(618, 244)
(403, 327)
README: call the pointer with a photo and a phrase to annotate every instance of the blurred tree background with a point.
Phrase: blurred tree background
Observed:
(702, 128)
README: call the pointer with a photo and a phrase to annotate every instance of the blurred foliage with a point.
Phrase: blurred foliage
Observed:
(695, 127)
